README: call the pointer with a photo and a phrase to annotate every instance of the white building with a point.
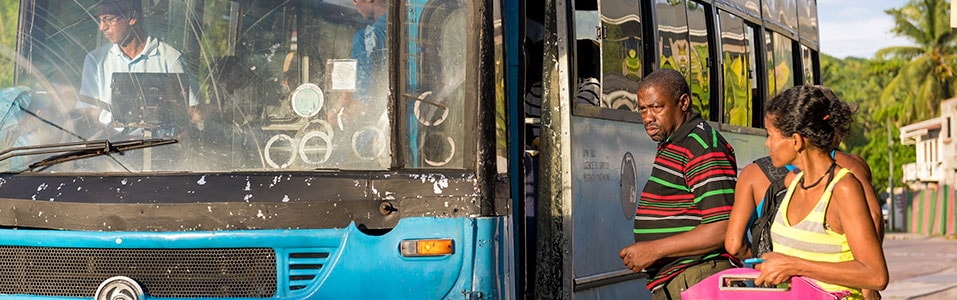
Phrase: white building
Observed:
(936, 150)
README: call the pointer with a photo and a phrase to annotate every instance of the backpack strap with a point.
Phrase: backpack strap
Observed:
(773, 196)
(774, 174)
(777, 188)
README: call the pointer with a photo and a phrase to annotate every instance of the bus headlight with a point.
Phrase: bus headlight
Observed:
(429, 247)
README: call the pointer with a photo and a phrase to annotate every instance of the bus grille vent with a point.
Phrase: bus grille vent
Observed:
(305, 267)
(169, 273)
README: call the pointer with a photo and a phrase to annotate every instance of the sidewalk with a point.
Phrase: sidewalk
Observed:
(909, 253)
(917, 236)
(905, 236)
(923, 287)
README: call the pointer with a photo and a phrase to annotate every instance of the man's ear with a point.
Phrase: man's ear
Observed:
(684, 102)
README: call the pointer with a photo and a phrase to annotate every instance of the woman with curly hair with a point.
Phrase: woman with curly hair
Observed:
(823, 229)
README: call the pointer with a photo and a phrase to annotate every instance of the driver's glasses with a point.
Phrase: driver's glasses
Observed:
(109, 20)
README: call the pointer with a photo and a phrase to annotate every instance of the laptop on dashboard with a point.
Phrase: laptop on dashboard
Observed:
(151, 99)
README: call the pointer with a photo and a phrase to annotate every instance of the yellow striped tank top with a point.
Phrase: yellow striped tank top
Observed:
(808, 238)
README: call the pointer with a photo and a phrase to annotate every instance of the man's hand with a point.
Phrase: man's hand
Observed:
(196, 118)
(639, 256)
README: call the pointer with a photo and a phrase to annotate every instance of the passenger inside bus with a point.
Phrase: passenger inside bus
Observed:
(361, 108)
(588, 68)
(130, 50)
(369, 47)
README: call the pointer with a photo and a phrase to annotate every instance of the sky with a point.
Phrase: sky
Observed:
(857, 28)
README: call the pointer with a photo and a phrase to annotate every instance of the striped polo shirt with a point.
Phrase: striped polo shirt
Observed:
(692, 183)
(808, 238)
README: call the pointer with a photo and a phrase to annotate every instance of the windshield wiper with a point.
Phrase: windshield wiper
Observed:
(79, 150)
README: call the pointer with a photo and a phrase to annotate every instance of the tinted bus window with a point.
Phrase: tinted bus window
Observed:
(673, 35)
(807, 64)
(780, 63)
(752, 7)
(684, 45)
(621, 53)
(588, 55)
(789, 14)
(737, 49)
(807, 17)
(769, 10)
(700, 59)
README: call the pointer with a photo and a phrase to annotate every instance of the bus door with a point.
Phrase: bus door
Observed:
(611, 156)
(595, 156)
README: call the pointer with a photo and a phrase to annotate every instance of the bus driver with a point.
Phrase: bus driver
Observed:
(130, 50)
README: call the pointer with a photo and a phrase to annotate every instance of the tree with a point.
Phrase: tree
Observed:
(917, 89)
(860, 81)
(8, 40)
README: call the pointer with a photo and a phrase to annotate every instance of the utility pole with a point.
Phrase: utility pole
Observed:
(890, 176)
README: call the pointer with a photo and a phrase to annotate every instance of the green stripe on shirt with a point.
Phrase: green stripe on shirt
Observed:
(669, 184)
(712, 193)
(700, 140)
(664, 230)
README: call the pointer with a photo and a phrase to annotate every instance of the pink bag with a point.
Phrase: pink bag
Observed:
(738, 283)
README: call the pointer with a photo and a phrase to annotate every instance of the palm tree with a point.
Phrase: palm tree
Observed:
(927, 78)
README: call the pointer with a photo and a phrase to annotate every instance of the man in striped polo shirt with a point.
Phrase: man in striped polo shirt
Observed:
(683, 211)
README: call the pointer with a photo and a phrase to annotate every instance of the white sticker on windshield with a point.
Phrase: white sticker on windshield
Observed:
(342, 73)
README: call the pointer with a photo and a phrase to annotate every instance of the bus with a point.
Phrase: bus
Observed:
(365, 149)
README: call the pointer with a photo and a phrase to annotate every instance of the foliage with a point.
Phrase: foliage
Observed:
(899, 86)
(8, 40)
(927, 78)
(861, 81)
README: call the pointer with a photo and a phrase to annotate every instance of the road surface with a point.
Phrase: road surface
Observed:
(921, 267)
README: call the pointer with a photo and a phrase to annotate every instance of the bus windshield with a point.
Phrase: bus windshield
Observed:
(233, 86)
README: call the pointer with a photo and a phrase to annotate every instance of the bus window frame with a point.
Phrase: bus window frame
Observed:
(402, 158)
(601, 112)
(715, 105)
(815, 62)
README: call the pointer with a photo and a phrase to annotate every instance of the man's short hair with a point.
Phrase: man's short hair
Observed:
(122, 8)
(671, 80)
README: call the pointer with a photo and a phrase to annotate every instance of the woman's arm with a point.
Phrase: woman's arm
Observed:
(847, 213)
(748, 192)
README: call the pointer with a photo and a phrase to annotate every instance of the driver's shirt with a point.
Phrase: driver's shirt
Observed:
(100, 64)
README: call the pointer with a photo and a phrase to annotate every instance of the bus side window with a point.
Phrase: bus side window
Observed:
(588, 53)
(780, 67)
(588, 68)
(807, 65)
(701, 61)
(683, 42)
(621, 50)
(737, 50)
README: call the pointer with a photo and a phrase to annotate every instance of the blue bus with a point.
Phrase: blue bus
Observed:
(364, 149)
